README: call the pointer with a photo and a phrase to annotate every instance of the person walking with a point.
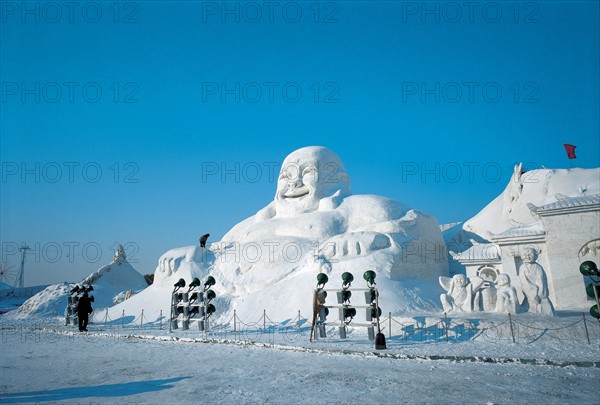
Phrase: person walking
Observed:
(84, 308)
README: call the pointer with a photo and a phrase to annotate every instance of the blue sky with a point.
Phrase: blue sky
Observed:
(146, 123)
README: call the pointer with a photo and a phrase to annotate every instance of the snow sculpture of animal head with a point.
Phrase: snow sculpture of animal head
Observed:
(308, 176)
(516, 184)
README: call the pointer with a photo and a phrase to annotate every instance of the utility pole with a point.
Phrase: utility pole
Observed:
(19, 282)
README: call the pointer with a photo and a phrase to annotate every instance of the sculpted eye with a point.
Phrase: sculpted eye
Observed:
(290, 172)
(310, 171)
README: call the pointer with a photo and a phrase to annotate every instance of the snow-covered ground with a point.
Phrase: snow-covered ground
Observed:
(138, 362)
(251, 356)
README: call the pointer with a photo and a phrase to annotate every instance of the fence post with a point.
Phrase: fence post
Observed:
(446, 325)
(512, 332)
(587, 335)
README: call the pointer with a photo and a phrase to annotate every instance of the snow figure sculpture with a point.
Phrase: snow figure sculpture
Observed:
(485, 298)
(119, 255)
(461, 292)
(506, 296)
(533, 284)
(315, 224)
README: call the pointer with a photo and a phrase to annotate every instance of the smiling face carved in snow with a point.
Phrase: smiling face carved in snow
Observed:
(307, 176)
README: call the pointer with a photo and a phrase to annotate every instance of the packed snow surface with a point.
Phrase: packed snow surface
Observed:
(48, 362)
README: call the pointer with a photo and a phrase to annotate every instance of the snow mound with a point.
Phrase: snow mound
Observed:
(108, 281)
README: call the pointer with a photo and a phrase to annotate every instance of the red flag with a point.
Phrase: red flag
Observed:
(570, 150)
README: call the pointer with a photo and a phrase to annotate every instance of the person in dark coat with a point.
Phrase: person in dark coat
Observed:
(203, 239)
(84, 308)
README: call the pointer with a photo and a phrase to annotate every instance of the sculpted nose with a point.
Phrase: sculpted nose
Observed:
(295, 182)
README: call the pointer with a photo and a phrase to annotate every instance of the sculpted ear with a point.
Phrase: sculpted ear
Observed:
(518, 171)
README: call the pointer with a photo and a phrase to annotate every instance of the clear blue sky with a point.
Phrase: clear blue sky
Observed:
(395, 88)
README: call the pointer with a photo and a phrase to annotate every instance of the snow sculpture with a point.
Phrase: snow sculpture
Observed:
(119, 255)
(314, 224)
(461, 293)
(485, 298)
(315, 221)
(506, 296)
(533, 284)
(590, 248)
(187, 262)
(515, 186)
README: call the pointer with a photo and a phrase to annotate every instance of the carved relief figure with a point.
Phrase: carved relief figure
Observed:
(506, 295)
(534, 284)
(460, 294)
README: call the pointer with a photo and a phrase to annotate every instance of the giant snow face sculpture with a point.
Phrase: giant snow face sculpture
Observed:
(314, 224)
(314, 221)
(308, 176)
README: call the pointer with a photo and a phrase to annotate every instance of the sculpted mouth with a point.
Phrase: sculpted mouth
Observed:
(296, 193)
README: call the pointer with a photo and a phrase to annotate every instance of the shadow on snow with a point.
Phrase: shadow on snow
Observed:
(109, 390)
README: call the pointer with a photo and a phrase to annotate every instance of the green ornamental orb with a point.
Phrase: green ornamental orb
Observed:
(589, 268)
(210, 281)
(347, 278)
(322, 278)
(594, 312)
(369, 276)
(210, 295)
